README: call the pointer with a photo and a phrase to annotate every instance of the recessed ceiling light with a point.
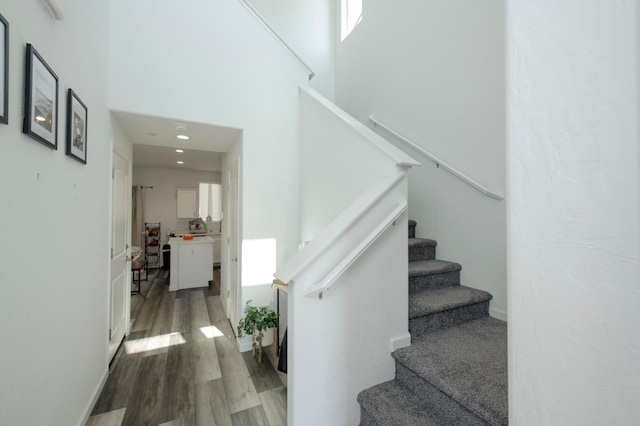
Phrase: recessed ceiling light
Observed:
(183, 137)
(179, 150)
(180, 162)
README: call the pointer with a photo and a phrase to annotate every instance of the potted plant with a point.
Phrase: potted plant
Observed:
(255, 322)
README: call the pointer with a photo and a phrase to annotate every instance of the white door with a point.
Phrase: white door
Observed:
(119, 294)
(232, 301)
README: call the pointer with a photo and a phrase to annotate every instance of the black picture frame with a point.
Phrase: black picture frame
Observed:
(40, 100)
(4, 70)
(77, 115)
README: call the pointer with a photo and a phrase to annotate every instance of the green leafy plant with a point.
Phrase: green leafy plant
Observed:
(255, 322)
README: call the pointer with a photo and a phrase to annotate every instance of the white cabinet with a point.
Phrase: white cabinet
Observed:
(187, 203)
(217, 246)
(195, 268)
(191, 263)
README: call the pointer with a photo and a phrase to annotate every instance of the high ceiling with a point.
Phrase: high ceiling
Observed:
(155, 143)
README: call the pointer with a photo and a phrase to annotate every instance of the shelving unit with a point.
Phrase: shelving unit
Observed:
(152, 244)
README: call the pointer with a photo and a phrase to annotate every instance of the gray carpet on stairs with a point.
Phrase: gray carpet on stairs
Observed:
(430, 301)
(468, 363)
(455, 371)
(421, 249)
(433, 309)
(433, 273)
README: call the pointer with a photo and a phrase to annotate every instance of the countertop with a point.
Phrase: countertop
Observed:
(196, 240)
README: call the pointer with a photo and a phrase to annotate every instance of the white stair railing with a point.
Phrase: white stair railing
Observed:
(463, 177)
(275, 35)
(347, 237)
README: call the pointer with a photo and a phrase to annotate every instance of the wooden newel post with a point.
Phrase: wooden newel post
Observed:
(254, 341)
(276, 343)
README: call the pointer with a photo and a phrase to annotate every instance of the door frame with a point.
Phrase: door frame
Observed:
(127, 275)
(227, 258)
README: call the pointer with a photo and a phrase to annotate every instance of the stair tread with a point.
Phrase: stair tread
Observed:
(430, 267)
(392, 404)
(477, 378)
(422, 242)
(430, 301)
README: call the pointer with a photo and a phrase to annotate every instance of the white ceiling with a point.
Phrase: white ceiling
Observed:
(160, 156)
(155, 143)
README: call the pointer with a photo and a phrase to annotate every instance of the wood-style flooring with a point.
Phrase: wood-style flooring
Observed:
(180, 366)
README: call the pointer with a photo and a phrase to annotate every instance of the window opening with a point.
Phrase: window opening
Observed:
(210, 202)
(351, 16)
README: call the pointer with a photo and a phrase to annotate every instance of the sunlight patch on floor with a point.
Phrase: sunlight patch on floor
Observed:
(211, 331)
(152, 343)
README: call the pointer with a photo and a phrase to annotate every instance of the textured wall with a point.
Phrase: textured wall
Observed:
(573, 213)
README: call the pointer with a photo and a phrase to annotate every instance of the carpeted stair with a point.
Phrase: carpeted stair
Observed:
(455, 371)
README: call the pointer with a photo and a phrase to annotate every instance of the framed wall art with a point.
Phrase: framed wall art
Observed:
(40, 100)
(4, 70)
(76, 127)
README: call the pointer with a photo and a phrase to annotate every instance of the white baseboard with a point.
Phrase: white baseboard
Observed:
(94, 398)
(497, 313)
(398, 342)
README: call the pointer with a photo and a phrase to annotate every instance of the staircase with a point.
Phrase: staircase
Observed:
(455, 371)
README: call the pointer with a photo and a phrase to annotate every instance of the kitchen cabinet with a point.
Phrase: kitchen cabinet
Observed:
(187, 202)
(191, 263)
(217, 247)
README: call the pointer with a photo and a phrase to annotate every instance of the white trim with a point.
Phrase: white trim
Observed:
(436, 160)
(399, 342)
(348, 260)
(392, 152)
(276, 36)
(497, 313)
(94, 398)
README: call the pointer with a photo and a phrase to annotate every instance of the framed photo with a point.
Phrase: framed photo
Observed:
(76, 127)
(40, 100)
(4, 70)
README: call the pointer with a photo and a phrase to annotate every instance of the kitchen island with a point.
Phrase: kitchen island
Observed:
(191, 263)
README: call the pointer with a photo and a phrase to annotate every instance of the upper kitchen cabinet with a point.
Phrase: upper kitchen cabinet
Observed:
(187, 203)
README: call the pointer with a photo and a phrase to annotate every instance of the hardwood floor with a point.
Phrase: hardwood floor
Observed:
(180, 366)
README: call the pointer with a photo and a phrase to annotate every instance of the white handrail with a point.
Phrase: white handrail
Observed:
(323, 285)
(312, 251)
(436, 160)
(275, 35)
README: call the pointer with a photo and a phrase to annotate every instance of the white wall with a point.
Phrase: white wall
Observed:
(337, 163)
(434, 70)
(573, 209)
(121, 143)
(54, 259)
(224, 69)
(160, 202)
(309, 27)
(339, 346)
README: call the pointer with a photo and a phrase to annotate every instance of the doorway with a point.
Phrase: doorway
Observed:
(119, 283)
(232, 243)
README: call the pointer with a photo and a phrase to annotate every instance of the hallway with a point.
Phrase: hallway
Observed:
(180, 366)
